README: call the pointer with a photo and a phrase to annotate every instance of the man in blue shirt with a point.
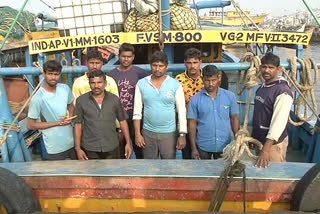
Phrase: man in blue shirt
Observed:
(212, 114)
(49, 112)
(158, 97)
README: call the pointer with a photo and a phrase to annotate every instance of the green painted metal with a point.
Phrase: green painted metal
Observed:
(311, 12)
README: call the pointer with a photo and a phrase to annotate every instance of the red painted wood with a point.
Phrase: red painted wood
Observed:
(157, 188)
(156, 184)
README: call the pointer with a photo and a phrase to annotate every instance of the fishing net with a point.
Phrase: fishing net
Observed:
(25, 23)
(182, 18)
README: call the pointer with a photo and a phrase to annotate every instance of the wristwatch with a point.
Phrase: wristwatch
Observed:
(182, 134)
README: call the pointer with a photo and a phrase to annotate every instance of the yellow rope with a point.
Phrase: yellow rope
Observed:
(32, 138)
(233, 151)
(7, 126)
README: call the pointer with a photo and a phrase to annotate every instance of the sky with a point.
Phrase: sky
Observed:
(274, 7)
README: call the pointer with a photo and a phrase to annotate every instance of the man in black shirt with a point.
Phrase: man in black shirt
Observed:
(95, 131)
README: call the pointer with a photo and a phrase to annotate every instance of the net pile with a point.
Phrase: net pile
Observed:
(182, 18)
(25, 23)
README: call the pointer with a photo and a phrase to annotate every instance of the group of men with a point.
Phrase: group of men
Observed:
(157, 113)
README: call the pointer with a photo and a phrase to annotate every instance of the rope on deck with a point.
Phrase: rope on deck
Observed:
(233, 151)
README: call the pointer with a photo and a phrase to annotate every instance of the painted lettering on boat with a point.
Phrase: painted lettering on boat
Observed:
(265, 37)
(175, 37)
(193, 36)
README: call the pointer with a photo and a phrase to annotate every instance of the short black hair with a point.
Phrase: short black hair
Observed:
(270, 58)
(126, 47)
(192, 53)
(52, 65)
(96, 73)
(159, 56)
(94, 54)
(210, 70)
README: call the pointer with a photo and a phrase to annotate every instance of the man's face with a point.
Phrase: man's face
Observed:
(192, 65)
(94, 64)
(126, 58)
(97, 85)
(158, 69)
(211, 83)
(269, 72)
(52, 77)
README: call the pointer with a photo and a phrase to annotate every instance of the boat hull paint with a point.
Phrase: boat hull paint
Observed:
(147, 205)
(154, 185)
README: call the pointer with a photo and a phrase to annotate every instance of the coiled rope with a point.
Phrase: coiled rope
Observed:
(233, 151)
(305, 88)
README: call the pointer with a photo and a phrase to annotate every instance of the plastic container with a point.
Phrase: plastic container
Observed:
(79, 17)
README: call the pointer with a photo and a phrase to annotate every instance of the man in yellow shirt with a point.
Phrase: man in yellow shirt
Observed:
(81, 84)
(191, 81)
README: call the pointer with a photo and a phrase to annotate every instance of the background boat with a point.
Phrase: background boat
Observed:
(232, 18)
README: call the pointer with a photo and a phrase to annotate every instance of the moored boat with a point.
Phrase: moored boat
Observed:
(233, 18)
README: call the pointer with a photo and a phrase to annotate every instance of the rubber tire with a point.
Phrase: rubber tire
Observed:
(15, 195)
(306, 196)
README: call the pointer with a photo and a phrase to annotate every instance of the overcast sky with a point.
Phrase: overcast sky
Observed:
(274, 7)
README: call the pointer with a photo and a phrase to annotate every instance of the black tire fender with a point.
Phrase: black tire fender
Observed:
(306, 195)
(15, 195)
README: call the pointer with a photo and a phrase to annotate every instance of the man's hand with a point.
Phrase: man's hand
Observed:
(195, 154)
(181, 142)
(264, 156)
(128, 151)
(263, 159)
(81, 154)
(66, 120)
(140, 141)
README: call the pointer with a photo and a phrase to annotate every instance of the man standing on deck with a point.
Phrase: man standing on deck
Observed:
(126, 77)
(191, 81)
(81, 84)
(49, 112)
(212, 114)
(272, 106)
(158, 97)
(95, 131)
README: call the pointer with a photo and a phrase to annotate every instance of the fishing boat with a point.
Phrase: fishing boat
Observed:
(315, 35)
(111, 186)
(232, 18)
